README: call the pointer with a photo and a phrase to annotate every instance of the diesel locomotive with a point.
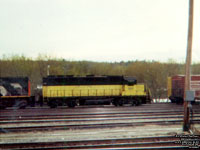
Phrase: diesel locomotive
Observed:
(72, 91)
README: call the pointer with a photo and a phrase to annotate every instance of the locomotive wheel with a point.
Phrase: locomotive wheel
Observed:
(60, 103)
(21, 104)
(115, 102)
(52, 104)
(144, 100)
(81, 102)
(71, 103)
(133, 103)
(137, 103)
(120, 102)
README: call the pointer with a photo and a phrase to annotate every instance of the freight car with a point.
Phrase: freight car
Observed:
(14, 91)
(77, 90)
(176, 86)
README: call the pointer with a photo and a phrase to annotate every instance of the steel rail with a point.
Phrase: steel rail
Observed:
(86, 120)
(86, 115)
(90, 126)
(105, 143)
(99, 113)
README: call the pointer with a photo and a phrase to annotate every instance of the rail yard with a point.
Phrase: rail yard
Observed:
(101, 75)
(60, 115)
(149, 126)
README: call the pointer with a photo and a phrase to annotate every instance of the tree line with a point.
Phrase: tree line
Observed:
(152, 73)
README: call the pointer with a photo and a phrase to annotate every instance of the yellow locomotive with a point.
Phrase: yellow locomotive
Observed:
(74, 91)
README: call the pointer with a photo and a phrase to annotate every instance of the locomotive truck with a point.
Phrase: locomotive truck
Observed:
(72, 91)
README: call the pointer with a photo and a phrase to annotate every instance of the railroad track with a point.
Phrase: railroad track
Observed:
(58, 111)
(164, 142)
(153, 106)
(68, 121)
(90, 118)
(112, 109)
(90, 126)
(105, 121)
(52, 113)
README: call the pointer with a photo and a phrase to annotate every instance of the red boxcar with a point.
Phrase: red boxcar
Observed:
(176, 87)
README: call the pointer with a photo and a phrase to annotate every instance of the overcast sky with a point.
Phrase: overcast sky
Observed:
(99, 30)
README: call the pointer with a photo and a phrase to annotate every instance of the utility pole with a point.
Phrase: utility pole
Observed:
(48, 67)
(186, 125)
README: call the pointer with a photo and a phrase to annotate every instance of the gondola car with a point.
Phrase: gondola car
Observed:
(71, 90)
(176, 86)
(14, 91)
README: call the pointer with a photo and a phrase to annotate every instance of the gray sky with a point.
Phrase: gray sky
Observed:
(99, 30)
